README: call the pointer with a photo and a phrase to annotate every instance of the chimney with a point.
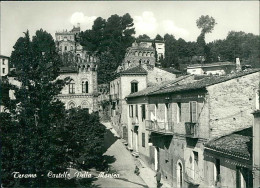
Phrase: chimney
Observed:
(238, 66)
(256, 151)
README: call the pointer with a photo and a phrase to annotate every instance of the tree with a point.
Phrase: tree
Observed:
(158, 37)
(143, 37)
(112, 36)
(206, 24)
(85, 139)
(35, 130)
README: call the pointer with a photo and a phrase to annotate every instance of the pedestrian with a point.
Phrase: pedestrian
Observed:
(137, 171)
(158, 178)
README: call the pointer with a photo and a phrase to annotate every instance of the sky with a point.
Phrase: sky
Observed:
(150, 17)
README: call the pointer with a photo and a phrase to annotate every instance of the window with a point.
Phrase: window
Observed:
(71, 87)
(130, 110)
(143, 112)
(71, 47)
(143, 139)
(244, 177)
(134, 87)
(65, 48)
(3, 70)
(136, 111)
(193, 111)
(196, 157)
(217, 170)
(3, 61)
(178, 112)
(85, 87)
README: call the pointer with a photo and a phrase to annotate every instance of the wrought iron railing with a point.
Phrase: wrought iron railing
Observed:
(160, 127)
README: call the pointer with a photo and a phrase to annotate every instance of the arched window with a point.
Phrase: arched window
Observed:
(71, 105)
(72, 87)
(140, 62)
(136, 53)
(140, 54)
(65, 48)
(179, 175)
(84, 87)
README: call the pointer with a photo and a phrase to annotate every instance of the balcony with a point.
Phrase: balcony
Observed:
(135, 122)
(165, 128)
(191, 129)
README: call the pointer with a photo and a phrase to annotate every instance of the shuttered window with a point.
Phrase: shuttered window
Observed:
(143, 139)
(136, 111)
(143, 112)
(134, 87)
(193, 111)
(130, 110)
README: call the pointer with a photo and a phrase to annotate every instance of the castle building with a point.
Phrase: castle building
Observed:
(81, 67)
(137, 72)
(82, 89)
(67, 41)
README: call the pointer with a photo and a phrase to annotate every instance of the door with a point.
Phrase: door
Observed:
(156, 158)
(136, 141)
(179, 175)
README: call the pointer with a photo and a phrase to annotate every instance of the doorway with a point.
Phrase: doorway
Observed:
(179, 175)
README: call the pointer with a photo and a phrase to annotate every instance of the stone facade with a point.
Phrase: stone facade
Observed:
(182, 117)
(138, 54)
(119, 89)
(82, 89)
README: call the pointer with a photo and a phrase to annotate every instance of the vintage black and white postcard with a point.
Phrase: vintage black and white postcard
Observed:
(130, 94)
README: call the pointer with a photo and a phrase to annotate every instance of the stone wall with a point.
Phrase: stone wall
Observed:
(157, 75)
(231, 104)
(84, 100)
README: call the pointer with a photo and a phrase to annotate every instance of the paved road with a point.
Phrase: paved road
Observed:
(122, 163)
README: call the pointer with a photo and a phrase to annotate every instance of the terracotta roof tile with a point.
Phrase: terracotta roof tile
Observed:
(237, 144)
(138, 70)
(208, 81)
(157, 87)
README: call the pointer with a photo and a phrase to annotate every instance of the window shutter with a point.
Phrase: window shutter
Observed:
(136, 110)
(193, 107)
(143, 139)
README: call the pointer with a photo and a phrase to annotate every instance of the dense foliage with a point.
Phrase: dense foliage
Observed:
(37, 134)
(109, 39)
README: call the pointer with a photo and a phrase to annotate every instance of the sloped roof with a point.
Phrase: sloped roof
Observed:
(157, 87)
(138, 70)
(237, 144)
(3, 56)
(216, 64)
(68, 69)
(203, 83)
(170, 70)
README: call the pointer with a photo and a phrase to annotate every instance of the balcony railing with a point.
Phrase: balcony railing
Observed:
(191, 129)
(165, 128)
(135, 121)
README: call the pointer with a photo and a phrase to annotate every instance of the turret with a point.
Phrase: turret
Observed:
(88, 64)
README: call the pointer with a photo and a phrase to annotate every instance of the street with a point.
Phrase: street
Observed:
(120, 162)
